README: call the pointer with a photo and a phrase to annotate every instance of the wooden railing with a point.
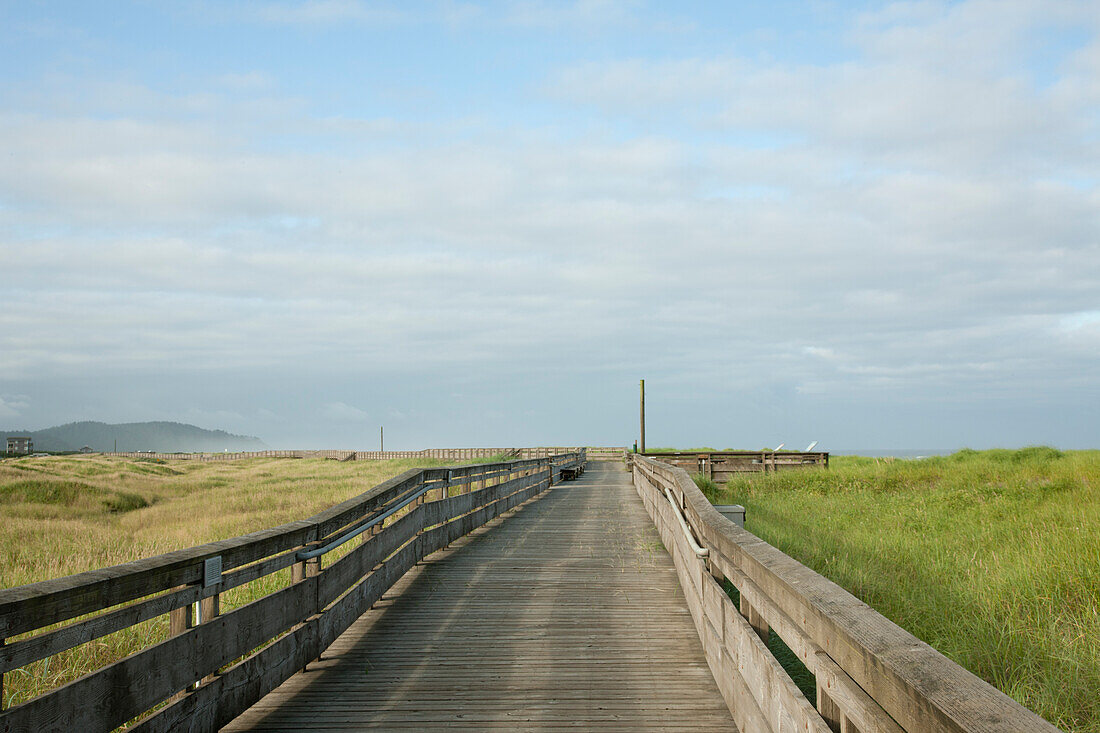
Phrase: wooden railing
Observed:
(721, 466)
(593, 453)
(445, 454)
(213, 666)
(871, 675)
(605, 453)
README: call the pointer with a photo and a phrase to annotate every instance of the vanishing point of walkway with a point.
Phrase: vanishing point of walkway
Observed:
(564, 614)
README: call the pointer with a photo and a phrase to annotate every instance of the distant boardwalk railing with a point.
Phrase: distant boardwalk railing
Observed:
(871, 674)
(442, 454)
(213, 666)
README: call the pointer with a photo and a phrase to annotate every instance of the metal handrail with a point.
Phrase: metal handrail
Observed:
(352, 534)
(699, 550)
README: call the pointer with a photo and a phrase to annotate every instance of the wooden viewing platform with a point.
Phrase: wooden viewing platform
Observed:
(721, 466)
(491, 596)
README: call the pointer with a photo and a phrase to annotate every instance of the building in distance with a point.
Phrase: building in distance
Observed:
(21, 445)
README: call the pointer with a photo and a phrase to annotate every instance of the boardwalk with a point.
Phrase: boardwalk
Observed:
(567, 615)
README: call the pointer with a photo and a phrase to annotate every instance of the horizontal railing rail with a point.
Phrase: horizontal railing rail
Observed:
(442, 454)
(214, 665)
(871, 675)
(720, 466)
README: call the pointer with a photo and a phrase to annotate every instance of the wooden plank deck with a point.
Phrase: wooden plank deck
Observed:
(564, 614)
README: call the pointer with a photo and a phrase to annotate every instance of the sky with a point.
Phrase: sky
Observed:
(874, 225)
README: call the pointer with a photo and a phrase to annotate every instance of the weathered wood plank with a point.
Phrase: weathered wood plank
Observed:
(720, 626)
(916, 685)
(159, 671)
(226, 695)
(38, 647)
(564, 615)
(28, 607)
(860, 707)
(120, 691)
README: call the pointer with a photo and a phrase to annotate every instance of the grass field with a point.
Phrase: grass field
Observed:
(64, 515)
(992, 557)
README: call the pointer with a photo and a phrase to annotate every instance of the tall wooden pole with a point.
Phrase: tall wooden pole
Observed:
(381, 439)
(641, 446)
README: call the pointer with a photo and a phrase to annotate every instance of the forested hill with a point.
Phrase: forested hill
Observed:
(163, 437)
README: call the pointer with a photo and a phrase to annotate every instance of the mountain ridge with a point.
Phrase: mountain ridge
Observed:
(159, 436)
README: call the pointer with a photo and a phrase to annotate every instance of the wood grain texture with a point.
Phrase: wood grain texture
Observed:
(116, 693)
(37, 605)
(67, 637)
(921, 689)
(565, 615)
(225, 695)
(761, 695)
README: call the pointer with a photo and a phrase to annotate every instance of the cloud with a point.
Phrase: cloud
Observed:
(822, 353)
(584, 14)
(343, 412)
(944, 87)
(1081, 320)
(312, 14)
(229, 420)
(581, 16)
(251, 81)
(912, 222)
(13, 405)
(325, 12)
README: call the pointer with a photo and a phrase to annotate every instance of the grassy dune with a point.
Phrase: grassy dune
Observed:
(992, 557)
(64, 515)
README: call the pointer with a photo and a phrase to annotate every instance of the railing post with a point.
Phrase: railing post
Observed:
(209, 609)
(179, 621)
(1, 682)
(299, 571)
(756, 621)
(831, 713)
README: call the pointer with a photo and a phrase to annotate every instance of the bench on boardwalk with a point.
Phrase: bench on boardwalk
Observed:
(571, 474)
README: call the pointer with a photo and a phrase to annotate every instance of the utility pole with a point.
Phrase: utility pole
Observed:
(381, 439)
(642, 416)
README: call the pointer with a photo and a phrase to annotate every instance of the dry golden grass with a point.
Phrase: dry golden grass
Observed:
(65, 515)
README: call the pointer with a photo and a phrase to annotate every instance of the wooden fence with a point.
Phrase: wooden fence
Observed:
(213, 665)
(592, 453)
(443, 454)
(723, 465)
(871, 675)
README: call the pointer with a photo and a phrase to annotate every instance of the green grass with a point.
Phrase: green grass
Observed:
(992, 557)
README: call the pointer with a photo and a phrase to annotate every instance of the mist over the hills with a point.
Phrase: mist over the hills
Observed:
(163, 437)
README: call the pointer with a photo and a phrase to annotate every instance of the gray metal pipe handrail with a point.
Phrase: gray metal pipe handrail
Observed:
(352, 534)
(698, 549)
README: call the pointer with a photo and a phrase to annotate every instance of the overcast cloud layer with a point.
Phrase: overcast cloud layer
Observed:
(482, 223)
